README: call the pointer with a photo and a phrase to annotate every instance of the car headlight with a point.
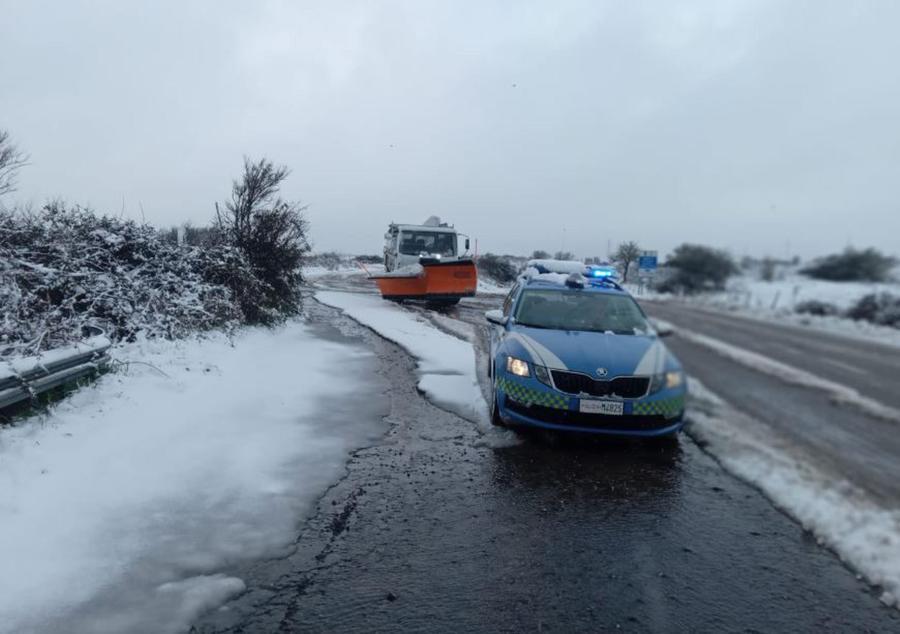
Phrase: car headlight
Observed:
(674, 379)
(666, 380)
(517, 366)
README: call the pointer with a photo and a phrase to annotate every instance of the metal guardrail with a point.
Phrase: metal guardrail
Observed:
(24, 378)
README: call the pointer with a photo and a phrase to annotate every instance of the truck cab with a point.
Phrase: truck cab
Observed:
(407, 245)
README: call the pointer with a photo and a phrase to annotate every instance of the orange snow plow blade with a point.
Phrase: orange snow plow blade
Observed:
(436, 282)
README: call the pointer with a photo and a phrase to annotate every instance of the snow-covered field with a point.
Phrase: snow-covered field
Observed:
(864, 534)
(793, 289)
(776, 300)
(121, 507)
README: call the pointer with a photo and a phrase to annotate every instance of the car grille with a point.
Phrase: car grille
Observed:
(593, 421)
(577, 383)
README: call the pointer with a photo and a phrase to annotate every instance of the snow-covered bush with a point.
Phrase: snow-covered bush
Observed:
(271, 233)
(330, 260)
(697, 268)
(867, 265)
(878, 308)
(817, 307)
(497, 268)
(65, 268)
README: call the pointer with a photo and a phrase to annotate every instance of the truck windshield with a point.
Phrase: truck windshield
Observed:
(580, 310)
(437, 243)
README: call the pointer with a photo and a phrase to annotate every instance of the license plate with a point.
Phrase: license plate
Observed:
(612, 408)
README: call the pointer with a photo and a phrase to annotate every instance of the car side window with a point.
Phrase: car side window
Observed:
(507, 303)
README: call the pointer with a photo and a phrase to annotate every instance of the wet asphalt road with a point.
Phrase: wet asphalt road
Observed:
(845, 441)
(867, 366)
(433, 529)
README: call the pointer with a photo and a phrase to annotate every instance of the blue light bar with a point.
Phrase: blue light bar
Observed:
(600, 272)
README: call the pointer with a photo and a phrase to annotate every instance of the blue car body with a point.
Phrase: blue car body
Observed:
(628, 379)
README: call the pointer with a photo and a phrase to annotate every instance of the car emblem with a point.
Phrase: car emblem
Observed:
(602, 371)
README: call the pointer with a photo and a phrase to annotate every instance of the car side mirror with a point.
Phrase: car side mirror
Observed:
(496, 317)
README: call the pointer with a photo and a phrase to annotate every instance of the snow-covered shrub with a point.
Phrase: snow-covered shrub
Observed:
(867, 265)
(697, 268)
(497, 268)
(330, 260)
(62, 269)
(878, 308)
(817, 307)
(271, 233)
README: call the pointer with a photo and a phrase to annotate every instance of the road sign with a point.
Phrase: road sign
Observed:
(647, 263)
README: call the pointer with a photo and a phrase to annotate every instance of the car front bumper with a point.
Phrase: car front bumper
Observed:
(529, 402)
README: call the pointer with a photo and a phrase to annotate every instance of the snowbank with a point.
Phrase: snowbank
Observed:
(865, 535)
(121, 506)
(487, 286)
(446, 363)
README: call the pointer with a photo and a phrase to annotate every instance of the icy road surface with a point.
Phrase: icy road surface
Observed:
(435, 529)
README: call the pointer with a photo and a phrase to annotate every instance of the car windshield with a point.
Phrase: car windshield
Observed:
(581, 310)
(417, 242)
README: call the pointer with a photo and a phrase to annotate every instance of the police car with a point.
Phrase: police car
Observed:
(572, 350)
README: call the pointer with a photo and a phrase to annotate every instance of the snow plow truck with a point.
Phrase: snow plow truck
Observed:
(425, 262)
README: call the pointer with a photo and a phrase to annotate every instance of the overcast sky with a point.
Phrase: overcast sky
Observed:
(760, 127)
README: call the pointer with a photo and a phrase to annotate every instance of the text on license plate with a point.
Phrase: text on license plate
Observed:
(589, 406)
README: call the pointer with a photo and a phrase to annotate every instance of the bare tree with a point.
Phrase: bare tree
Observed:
(11, 160)
(627, 253)
(271, 232)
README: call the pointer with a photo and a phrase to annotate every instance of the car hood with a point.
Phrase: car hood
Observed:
(581, 351)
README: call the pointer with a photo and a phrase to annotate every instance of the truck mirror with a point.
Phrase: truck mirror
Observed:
(467, 244)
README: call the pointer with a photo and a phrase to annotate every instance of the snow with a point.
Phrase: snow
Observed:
(793, 289)
(120, 507)
(838, 392)
(532, 273)
(864, 534)
(446, 363)
(487, 286)
(21, 365)
(344, 270)
(557, 266)
(776, 300)
(410, 270)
